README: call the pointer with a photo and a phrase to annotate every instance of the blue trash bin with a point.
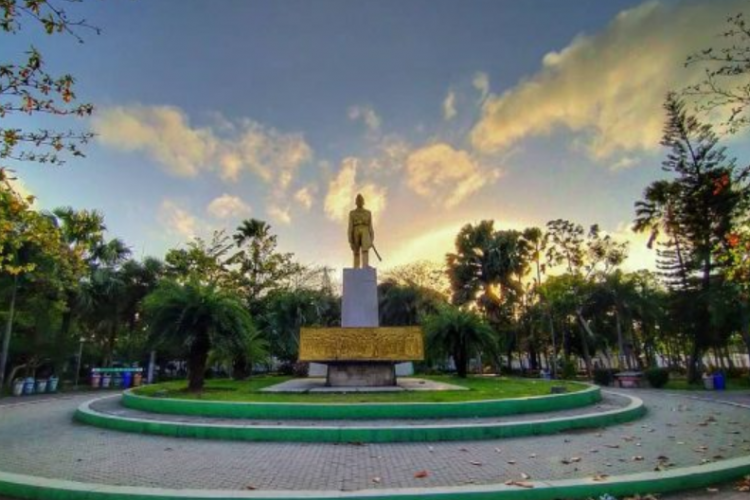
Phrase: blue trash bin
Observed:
(127, 379)
(720, 382)
(28, 386)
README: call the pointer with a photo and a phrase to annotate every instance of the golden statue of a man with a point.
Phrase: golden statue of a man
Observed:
(361, 234)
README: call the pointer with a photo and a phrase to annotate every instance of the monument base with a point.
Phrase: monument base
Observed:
(361, 374)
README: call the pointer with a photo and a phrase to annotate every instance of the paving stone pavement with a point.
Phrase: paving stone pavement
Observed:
(112, 406)
(42, 440)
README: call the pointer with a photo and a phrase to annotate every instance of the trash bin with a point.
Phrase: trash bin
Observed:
(106, 380)
(41, 386)
(28, 386)
(720, 382)
(18, 387)
(137, 379)
(127, 379)
(52, 384)
(96, 380)
(708, 382)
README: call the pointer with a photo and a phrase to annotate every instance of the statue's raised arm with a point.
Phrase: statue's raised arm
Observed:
(361, 233)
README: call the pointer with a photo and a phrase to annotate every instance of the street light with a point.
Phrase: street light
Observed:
(80, 358)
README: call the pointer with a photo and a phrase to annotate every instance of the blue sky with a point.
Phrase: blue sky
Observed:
(440, 112)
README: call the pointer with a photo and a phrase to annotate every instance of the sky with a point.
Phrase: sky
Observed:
(440, 112)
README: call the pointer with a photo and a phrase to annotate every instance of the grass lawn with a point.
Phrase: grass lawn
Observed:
(733, 384)
(479, 388)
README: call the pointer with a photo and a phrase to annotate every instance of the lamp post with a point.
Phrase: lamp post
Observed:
(80, 358)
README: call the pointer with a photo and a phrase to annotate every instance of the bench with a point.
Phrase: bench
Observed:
(629, 379)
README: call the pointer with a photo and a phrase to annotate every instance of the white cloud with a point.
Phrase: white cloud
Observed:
(272, 155)
(623, 163)
(305, 196)
(449, 106)
(343, 189)
(368, 116)
(227, 206)
(279, 214)
(609, 86)
(165, 134)
(481, 82)
(446, 175)
(389, 156)
(177, 220)
(162, 132)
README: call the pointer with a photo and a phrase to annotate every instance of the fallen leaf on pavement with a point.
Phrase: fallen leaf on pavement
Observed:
(520, 484)
(421, 474)
(743, 485)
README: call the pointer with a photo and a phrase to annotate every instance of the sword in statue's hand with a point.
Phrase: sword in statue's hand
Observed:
(380, 259)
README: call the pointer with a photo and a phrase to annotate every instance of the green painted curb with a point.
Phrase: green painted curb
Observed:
(37, 488)
(363, 411)
(365, 434)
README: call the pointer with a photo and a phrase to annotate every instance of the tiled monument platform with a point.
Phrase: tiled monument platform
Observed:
(318, 385)
(679, 443)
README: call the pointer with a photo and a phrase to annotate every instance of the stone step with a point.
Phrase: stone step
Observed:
(363, 411)
(109, 413)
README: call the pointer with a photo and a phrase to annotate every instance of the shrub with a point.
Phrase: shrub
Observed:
(569, 370)
(604, 376)
(737, 372)
(301, 369)
(657, 377)
(298, 369)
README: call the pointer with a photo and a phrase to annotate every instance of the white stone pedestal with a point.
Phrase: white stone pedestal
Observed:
(359, 308)
(359, 305)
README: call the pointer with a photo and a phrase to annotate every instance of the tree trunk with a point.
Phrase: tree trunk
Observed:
(8, 331)
(728, 356)
(620, 340)
(745, 325)
(461, 359)
(584, 342)
(554, 346)
(693, 372)
(197, 359)
(240, 367)
(533, 359)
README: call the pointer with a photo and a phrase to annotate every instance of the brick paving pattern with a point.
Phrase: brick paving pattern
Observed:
(41, 440)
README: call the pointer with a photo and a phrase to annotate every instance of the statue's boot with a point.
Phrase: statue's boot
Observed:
(356, 259)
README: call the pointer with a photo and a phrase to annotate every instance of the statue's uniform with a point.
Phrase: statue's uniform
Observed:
(360, 230)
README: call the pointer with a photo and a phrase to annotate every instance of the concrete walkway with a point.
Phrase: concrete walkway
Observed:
(42, 440)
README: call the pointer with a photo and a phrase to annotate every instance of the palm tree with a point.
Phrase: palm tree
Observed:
(286, 311)
(458, 333)
(198, 317)
(406, 304)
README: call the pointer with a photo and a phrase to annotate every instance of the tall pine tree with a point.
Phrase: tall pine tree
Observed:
(691, 215)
